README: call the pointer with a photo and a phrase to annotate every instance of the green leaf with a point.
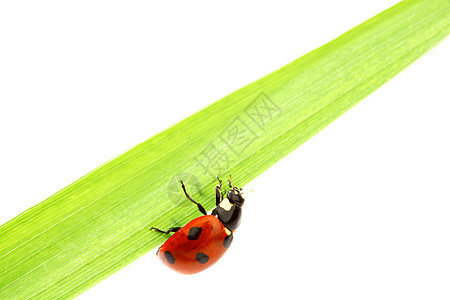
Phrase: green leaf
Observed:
(100, 223)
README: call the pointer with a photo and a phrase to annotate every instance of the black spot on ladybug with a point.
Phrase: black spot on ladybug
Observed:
(169, 256)
(202, 258)
(194, 233)
(227, 241)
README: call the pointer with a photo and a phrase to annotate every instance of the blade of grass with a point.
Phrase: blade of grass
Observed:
(99, 224)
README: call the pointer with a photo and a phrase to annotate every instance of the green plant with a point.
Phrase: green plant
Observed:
(99, 224)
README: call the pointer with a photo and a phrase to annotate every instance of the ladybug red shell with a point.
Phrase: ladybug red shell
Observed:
(202, 242)
(196, 246)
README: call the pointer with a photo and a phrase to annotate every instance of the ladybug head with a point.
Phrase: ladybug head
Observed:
(229, 209)
(234, 195)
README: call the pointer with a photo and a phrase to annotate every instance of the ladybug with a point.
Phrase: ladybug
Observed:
(202, 242)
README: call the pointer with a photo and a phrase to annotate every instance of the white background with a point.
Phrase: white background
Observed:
(366, 201)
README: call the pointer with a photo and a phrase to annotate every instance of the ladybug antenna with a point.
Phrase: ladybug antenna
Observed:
(229, 183)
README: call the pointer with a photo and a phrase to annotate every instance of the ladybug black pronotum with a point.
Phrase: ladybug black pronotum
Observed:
(202, 242)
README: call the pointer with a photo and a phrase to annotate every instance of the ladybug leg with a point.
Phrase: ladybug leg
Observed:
(220, 186)
(220, 182)
(200, 207)
(219, 198)
(219, 195)
(173, 229)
